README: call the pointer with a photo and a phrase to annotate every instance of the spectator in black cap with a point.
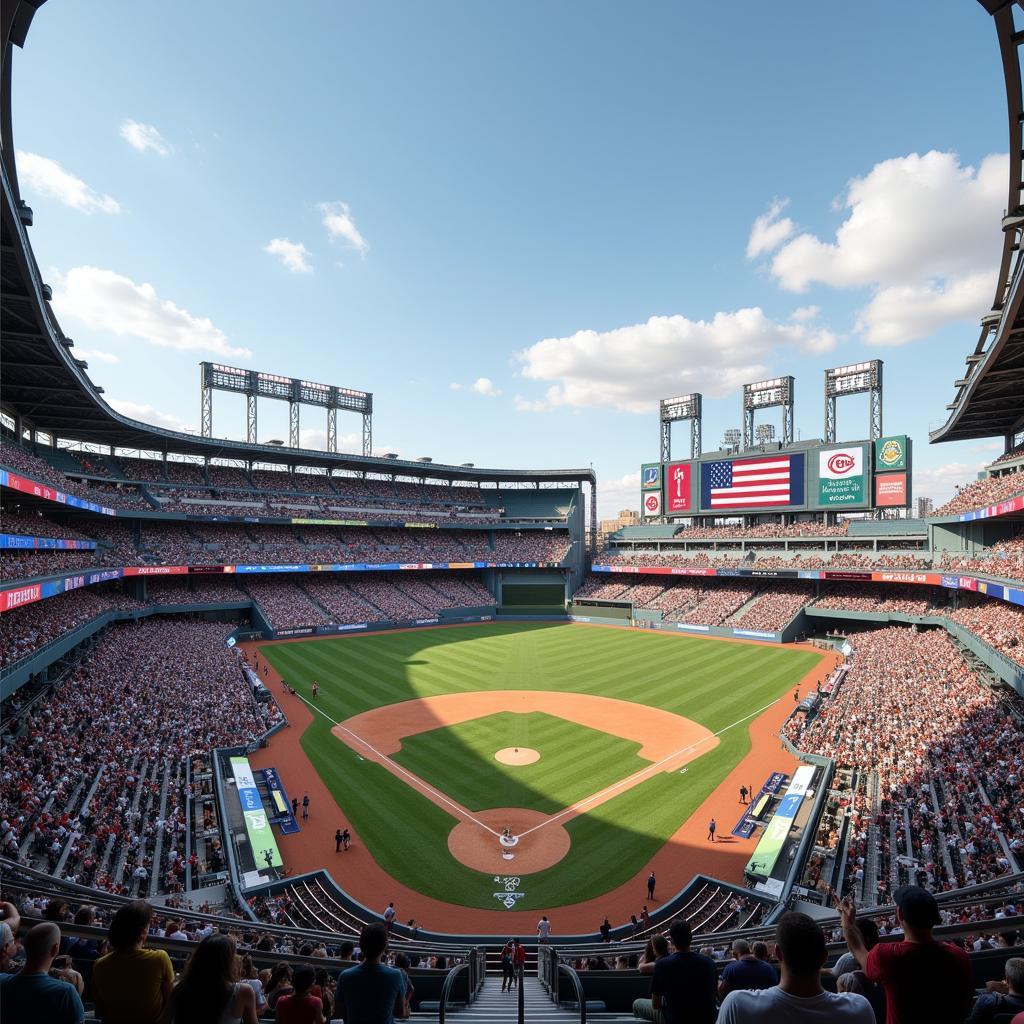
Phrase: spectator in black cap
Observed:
(924, 980)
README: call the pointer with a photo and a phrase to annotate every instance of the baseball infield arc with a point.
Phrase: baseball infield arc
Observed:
(667, 740)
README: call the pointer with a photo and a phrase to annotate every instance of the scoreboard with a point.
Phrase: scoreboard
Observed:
(814, 477)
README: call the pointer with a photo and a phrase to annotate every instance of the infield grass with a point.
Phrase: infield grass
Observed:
(575, 761)
(713, 682)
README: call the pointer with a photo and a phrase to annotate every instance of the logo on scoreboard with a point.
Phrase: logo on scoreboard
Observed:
(650, 476)
(890, 453)
(677, 487)
(652, 504)
(841, 476)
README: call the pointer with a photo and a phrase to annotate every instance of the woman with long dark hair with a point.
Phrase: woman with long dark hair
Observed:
(210, 991)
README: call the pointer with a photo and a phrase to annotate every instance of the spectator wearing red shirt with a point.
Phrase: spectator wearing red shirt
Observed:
(924, 980)
(301, 1007)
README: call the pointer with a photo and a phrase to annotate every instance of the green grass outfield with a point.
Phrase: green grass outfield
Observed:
(713, 682)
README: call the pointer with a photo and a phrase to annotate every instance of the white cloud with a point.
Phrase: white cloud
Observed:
(340, 225)
(142, 136)
(147, 414)
(294, 255)
(630, 368)
(907, 312)
(921, 231)
(95, 355)
(47, 178)
(455, 386)
(485, 386)
(768, 231)
(616, 494)
(107, 301)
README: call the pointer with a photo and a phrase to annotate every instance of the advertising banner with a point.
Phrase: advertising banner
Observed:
(891, 490)
(891, 453)
(677, 486)
(1002, 509)
(651, 503)
(650, 476)
(38, 490)
(768, 480)
(841, 476)
(21, 542)
(765, 856)
(257, 827)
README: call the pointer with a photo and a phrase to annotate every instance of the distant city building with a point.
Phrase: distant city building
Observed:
(626, 517)
(925, 506)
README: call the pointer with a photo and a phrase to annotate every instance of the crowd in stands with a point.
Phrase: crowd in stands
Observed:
(1010, 456)
(320, 599)
(871, 597)
(999, 624)
(26, 629)
(768, 560)
(948, 753)
(1005, 558)
(982, 493)
(765, 530)
(94, 783)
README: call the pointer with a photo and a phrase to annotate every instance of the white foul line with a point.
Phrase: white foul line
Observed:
(651, 768)
(398, 769)
(575, 808)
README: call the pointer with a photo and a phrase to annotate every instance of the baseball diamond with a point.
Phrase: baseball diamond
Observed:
(406, 725)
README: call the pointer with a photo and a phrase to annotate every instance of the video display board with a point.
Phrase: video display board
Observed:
(765, 481)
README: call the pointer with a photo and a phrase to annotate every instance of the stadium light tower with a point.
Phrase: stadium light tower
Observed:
(855, 379)
(686, 407)
(765, 433)
(296, 392)
(768, 394)
(731, 439)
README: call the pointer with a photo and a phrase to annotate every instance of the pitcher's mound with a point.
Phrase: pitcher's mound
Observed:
(517, 755)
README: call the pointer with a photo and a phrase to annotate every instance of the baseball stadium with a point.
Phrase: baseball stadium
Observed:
(286, 694)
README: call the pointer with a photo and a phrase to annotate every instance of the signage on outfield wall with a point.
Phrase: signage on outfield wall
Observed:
(841, 476)
(1003, 508)
(891, 490)
(651, 503)
(678, 477)
(891, 453)
(650, 476)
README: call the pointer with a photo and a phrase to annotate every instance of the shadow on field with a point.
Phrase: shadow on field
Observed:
(407, 834)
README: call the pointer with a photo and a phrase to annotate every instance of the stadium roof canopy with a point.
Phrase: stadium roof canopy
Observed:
(46, 386)
(989, 399)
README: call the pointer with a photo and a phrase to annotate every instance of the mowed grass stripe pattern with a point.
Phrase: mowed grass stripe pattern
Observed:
(711, 681)
(575, 761)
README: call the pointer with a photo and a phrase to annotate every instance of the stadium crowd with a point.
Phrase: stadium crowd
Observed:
(982, 493)
(93, 785)
(948, 753)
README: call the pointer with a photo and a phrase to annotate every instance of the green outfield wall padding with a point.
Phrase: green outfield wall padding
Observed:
(537, 595)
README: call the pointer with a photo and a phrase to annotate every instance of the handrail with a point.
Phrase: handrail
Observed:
(521, 1008)
(577, 985)
(446, 988)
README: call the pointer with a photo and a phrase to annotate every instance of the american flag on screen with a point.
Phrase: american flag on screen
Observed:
(753, 483)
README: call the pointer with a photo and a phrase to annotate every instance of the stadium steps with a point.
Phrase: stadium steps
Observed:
(157, 873)
(742, 610)
(492, 1006)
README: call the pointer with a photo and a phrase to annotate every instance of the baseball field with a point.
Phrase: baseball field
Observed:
(586, 747)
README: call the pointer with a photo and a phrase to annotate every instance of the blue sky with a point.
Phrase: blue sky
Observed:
(403, 197)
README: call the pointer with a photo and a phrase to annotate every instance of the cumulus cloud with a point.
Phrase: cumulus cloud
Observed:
(294, 255)
(147, 414)
(341, 226)
(905, 313)
(482, 386)
(921, 231)
(143, 137)
(630, 368)
(769, 231)
(48, 178)
(107, 301)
